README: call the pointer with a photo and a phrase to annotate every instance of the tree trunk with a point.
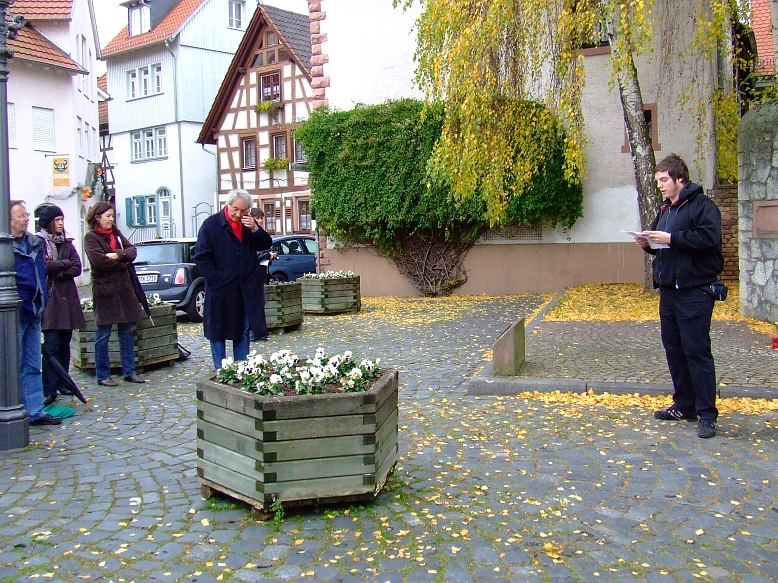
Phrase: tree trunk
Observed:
(643, 160)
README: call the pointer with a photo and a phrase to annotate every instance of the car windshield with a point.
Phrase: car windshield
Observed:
(155, 254)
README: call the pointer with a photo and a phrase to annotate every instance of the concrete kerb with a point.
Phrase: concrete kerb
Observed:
(485, 383)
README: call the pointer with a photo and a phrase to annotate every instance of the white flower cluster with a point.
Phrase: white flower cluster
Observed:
(329, 275)
(283, 370)
(87, 305)
(154, 300)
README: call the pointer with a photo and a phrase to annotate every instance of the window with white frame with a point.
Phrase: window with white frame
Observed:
(11, 125)
(304, 216)
(141, 210)
(43, 129)
(87, 142)
(249, 153)
(139, 19)
(299, 153)
(144, 81)
(270, 216)
(149, 144)
(270, 87)
(79, 137)
(279, 146)
(237, 9)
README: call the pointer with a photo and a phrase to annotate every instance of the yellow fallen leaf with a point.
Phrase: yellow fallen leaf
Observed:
(205, 522)
(699, 532)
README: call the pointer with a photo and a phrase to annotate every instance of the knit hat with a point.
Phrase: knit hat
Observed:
(48, 214)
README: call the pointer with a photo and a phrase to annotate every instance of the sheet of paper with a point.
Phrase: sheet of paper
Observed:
(642, 235)
(265, 262)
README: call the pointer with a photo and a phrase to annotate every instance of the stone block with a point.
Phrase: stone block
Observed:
(508, 353)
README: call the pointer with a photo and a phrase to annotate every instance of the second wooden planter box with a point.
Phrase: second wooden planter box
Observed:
(331, 296)
(283, 306)
(153, 344)
(306, 448)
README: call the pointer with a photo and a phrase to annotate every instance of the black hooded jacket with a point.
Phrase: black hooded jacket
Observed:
(694, 257)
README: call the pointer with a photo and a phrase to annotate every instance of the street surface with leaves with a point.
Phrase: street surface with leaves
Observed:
(527, 488)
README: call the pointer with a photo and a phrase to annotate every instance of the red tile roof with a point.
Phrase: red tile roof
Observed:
(33, 47)
(763, 31)
(43, 9)
(172, 22)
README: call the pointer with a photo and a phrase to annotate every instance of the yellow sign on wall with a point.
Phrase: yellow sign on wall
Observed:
(61, 171)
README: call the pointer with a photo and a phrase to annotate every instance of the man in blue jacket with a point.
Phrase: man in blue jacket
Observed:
(688, 229)
(226, 254)
(32, 290)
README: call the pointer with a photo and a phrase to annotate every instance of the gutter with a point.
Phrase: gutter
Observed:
(178, 126)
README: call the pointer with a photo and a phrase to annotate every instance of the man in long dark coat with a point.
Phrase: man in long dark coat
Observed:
(226, 254)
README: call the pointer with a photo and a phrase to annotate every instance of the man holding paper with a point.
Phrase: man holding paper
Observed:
(685, 239)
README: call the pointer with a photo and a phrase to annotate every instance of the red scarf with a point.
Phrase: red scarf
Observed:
(111, 237)
(237, 226)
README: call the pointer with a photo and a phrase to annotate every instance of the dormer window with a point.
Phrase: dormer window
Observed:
(236, 11)
(140, 19)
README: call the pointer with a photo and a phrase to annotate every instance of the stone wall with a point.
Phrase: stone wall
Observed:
(725, 197)
(758, 182)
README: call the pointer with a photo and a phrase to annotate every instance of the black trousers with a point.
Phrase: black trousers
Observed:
(685, 316)
(58, 343)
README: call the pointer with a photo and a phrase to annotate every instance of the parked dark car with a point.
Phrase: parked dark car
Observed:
(166, 267)
(296, 256)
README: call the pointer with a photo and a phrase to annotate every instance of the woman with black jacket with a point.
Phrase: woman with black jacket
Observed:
(63, 312)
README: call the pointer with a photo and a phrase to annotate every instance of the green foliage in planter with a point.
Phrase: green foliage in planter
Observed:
(275, 164)
(372, 181)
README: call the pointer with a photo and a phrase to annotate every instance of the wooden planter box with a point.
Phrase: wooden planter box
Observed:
(331, 296)
(284, 306)
(153, 344)
(298, 449)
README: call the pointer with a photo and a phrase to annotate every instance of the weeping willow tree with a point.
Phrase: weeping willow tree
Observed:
(472, 54)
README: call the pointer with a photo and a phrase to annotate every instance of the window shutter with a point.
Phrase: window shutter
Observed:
(43, 128)
(11, 126)
(128, 209)
(142, 211)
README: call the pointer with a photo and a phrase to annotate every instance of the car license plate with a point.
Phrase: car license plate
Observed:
(147, 278)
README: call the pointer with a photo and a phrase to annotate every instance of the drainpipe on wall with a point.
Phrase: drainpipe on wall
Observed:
(218, 187)
(178, 126)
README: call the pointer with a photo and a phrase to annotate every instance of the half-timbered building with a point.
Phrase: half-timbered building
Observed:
(265, 95)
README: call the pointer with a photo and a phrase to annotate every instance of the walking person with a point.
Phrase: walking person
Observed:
(31, 287)
(689, 225)
(110, 253)
(226, 254)
(63, 312)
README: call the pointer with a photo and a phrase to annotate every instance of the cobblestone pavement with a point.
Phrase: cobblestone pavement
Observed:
(487, 488)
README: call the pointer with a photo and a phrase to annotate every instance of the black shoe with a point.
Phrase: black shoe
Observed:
(706, 428)
(49, 400)
(46, 420)
(674, 414)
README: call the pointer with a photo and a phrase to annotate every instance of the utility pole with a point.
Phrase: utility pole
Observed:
(14, 423)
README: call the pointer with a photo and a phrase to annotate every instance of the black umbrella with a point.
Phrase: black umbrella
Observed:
(70, 386)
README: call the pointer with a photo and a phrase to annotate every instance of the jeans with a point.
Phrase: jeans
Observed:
(30, 376)
(126, 351)
(240, 348)
(58, 343)
(685, 316)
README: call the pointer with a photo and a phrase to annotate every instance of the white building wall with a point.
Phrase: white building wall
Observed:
(370, 47)
(143, 112)
(199, 175)
(71, 97)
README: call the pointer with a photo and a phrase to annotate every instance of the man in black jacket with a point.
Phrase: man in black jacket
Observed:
(686, 241)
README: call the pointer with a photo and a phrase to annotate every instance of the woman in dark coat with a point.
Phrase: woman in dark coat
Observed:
(63, 312)
(226, 254)
(113, 294)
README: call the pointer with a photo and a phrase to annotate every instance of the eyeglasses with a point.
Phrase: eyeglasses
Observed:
(23, 216)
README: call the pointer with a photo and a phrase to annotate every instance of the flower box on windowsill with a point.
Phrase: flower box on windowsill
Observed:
(333, 447)
(153, 343)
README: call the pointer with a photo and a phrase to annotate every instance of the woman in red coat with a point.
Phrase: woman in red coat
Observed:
(63, 312)
(113, 294)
